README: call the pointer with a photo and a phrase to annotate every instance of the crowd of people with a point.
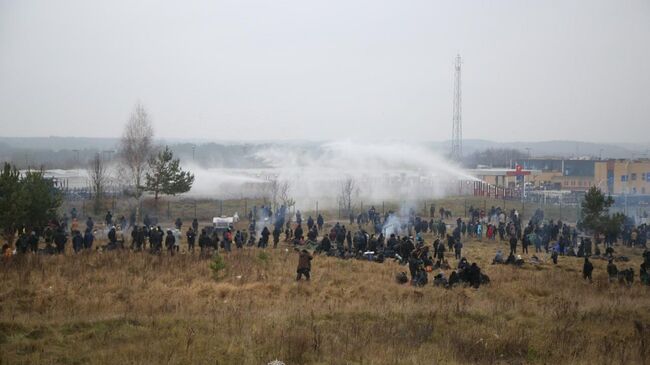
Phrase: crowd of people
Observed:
(370, 236)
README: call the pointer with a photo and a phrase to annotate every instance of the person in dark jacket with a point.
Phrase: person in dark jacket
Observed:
(513, 244)
(32, 240)
(304, 265)
(458, 246)
(204, 242)
(170, 240)
(239, 239)
(77, 241)
(264, 240)
(59, 240)
(276, 235)
(325, 245)
(112, 237)
(297, 233)
(474, 275)
(440, 252)
(88, 239)
(191, 239)
(587, 269)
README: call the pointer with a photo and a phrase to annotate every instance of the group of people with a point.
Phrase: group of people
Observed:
(394, 237)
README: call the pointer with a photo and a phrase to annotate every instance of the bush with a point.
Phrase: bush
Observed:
(218, 266)
(263, 256)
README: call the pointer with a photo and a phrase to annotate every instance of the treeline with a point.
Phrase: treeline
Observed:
(494, 157)
(203, 155)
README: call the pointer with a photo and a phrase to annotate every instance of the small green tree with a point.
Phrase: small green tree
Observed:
(9, 199)
(595, 209)
(218, 266)
(612, 225)
(596, 217)
(26, 200)
(41, 199)
(166, 175)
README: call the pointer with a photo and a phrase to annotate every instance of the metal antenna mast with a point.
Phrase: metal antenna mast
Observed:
(457, 129)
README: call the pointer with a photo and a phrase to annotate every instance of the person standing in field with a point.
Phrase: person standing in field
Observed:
(458, 246)
(191, 239)
(170, 242)
(88, 239)
(304, 265)
(587, 269)
(513, 244)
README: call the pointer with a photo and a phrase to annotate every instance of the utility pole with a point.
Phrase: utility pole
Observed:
(457, 128)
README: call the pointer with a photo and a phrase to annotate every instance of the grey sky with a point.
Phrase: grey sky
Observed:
(533, 70)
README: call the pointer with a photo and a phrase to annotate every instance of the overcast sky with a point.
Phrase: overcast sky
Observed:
(532, 70)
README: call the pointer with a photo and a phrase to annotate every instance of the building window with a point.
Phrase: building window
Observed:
(623, 178)
(633, 177)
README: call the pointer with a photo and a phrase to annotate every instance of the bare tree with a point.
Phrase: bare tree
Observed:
(348, 188)
(136, 147)
(278, 192)
(99, 179)
(273, 191)
(285, 194)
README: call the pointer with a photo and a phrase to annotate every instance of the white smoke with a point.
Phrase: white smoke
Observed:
(387, 171)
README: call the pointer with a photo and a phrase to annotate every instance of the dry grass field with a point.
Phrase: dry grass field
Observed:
(135, 308)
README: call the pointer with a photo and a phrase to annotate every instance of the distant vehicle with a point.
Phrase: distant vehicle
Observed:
(223, 223)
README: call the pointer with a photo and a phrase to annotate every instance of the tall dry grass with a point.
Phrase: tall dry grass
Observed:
(135, 308)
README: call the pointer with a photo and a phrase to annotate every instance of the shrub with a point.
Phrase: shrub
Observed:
(218, 266)
(263, 256)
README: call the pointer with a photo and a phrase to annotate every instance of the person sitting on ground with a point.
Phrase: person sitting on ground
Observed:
(511, 259)
(519, 261)
(554, 256)
(454, 278)
(325, 245)
(498, 258)
(463, 264)
(440, 280)
(474, 275)
(401, 278)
